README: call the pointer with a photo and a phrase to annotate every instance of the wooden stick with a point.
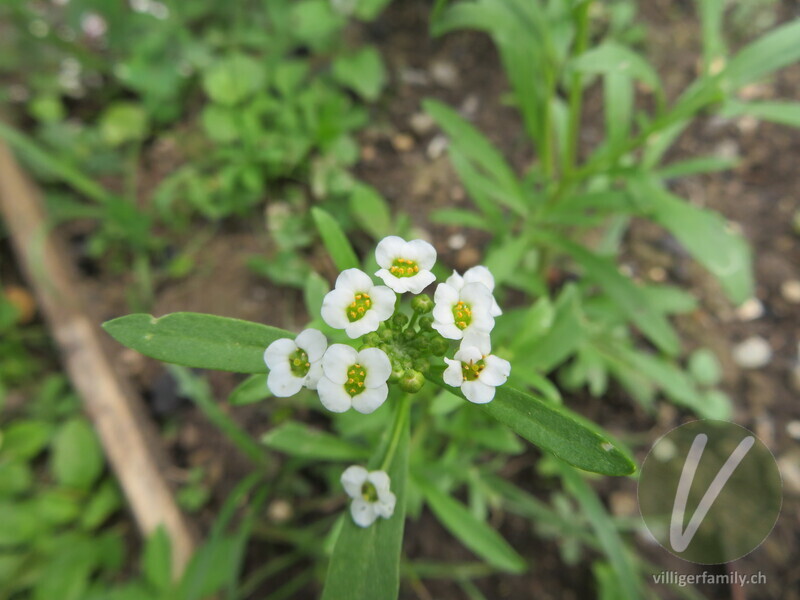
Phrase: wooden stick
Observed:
(128, 437)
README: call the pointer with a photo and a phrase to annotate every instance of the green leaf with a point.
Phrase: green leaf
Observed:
(473, 533)
(776, 49)
(371, 210)
(104, 502)
(705, 235)
(362, 72)
(19, 523)
(624, 292)
(296, 439)
(157, 559)
(25, 439)
(335, 240)
(15, 478)
(784, 113)
(314, 293)
(614, 58)
(77, 458)
(481, 152)
(198, 340)
(123, 122)
(704, 367)
(366, 561)
(554, 429)
(251, 390)
(232, 79)
(606, 531)
(57, 507)
(693, 166)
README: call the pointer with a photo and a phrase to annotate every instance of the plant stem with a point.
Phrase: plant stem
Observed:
(413, 320)
(397, 430)
(576, 88)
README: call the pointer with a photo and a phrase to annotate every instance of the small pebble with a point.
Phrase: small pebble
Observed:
(790, 290)
(753, 353)
(437, 146)
(456, 241)
(444, 73)
(368, 153)
(750, 310)
(421, 123)
(280, 511)
(402, 142)
(793, 429)
(657, 274)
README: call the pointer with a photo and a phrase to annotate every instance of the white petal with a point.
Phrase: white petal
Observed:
(419, 282)
(477, 339)
(283, 383)
(452, 374)
(354, 280)
(481, 321)
(337, 360)
(377, 365)
(353, 479)
(364, 513)
(334, 308)
(495, 372)
(448, 330)
(333, 395)
(468, 354)
(383, 301)
(477, 392)
(388, 249)
(277, 353)
(480, 274)
(370, 399)
(477, 296)
(369, 322)
(381, 481)
(455, 281)
(495, 311)
(313, 376)
(395, 283)
(445, 294)
(314, 342)
(421, 252)
(443, 313)
(385, 504)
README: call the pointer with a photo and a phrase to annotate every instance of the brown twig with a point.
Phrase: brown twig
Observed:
(127, 436)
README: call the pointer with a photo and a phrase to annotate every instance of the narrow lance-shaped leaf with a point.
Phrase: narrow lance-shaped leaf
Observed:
(473, 533)
(366, 561)
(335, 240)
(198, 340)
(554, 429)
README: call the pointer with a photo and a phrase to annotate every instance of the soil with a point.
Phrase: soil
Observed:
(402, 156)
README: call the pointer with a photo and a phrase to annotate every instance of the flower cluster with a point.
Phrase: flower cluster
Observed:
(393, 347)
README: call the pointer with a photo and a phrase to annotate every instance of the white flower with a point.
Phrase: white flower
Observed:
(295, 363)
(356, 304)
(459, 311)
(479, 274)
(356, 379)
(475, 370)
(370, 493)
(405, 266)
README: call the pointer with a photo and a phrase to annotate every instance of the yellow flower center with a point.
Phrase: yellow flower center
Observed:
(462, 313)
(356, 375)
(472, 370)
(403, 267)
(298, 363)
(368, 492)
(359, 306)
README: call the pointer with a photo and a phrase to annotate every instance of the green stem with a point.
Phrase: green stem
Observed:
(576, 87)
(397, 430)
(546, 150)
(413, 320)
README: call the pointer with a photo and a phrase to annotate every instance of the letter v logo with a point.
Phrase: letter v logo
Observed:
(678, 539)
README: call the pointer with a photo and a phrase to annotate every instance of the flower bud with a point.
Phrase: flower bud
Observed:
(422, 303)
(422, 365)
(399, 321)
(397, 373)
(412, 381)
(439, 346)
(387, 335)
(372, 339)
(409, 334)
(426, 324)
